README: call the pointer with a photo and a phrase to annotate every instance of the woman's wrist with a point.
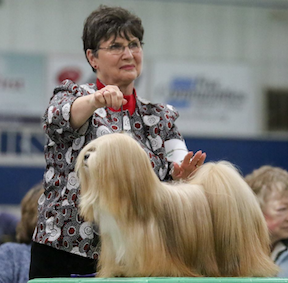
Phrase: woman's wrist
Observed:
(82, 109)
(94, 101)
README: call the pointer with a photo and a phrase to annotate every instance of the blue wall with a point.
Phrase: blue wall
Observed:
(246, 154)
(16, 181)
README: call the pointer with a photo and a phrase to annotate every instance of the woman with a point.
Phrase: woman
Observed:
(64, 244)
(270, 184)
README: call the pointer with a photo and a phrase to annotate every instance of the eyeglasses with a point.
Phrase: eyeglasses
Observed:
(118, 48)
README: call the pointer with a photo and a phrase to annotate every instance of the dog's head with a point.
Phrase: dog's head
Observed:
(109, 171)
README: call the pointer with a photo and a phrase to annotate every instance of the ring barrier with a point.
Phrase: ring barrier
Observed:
(162, 280)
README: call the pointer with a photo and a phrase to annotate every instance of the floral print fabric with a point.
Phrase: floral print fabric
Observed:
(59, 224)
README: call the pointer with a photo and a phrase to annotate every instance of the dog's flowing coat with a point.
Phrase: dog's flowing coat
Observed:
(240, 231)
(209, 226)
(147, 228)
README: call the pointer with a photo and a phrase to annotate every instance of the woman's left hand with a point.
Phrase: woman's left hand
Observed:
(188, 165)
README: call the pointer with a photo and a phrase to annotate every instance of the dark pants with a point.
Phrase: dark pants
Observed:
(47, 262)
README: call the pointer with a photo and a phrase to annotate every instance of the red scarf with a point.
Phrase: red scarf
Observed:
(131, 99)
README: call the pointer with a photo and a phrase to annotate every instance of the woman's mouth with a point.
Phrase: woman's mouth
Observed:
(127, 67)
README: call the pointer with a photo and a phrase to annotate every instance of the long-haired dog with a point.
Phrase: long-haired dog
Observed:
(147, 228)
(210, 225)
(240, 231)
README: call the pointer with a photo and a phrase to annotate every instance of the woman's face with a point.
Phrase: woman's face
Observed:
(118, 69)
(276, 215)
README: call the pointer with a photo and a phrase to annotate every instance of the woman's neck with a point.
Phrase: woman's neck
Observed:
(127, 89)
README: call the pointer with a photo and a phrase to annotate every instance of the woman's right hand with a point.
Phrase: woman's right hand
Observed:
(83, 107)
(109, 96)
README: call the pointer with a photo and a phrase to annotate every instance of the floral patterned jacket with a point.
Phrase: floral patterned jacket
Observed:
(59, 224)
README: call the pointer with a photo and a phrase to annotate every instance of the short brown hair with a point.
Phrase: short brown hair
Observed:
(105, 22)
(29, 214)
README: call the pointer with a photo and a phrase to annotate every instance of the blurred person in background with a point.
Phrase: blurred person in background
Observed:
(15, 257)
(270, 184)
(8, 224)
(64, 244)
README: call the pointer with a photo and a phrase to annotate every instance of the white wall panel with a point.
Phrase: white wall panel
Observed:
(253, 35)
(171, 29)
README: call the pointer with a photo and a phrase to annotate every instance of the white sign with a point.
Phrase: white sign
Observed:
(73, 67)
(22, 86)
(212, 99)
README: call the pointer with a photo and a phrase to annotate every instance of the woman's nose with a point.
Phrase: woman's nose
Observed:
(127, 52)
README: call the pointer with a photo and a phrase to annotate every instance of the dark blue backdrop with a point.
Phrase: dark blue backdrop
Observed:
(246, 154)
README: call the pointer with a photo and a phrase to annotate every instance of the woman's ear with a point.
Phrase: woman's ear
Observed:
(91, 58)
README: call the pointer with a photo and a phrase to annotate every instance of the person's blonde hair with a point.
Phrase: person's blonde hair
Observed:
(266, 180)
(240, 231)
(29, 214)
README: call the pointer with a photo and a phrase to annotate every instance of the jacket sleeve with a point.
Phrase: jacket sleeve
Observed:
(175, 146)
(56, 120)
